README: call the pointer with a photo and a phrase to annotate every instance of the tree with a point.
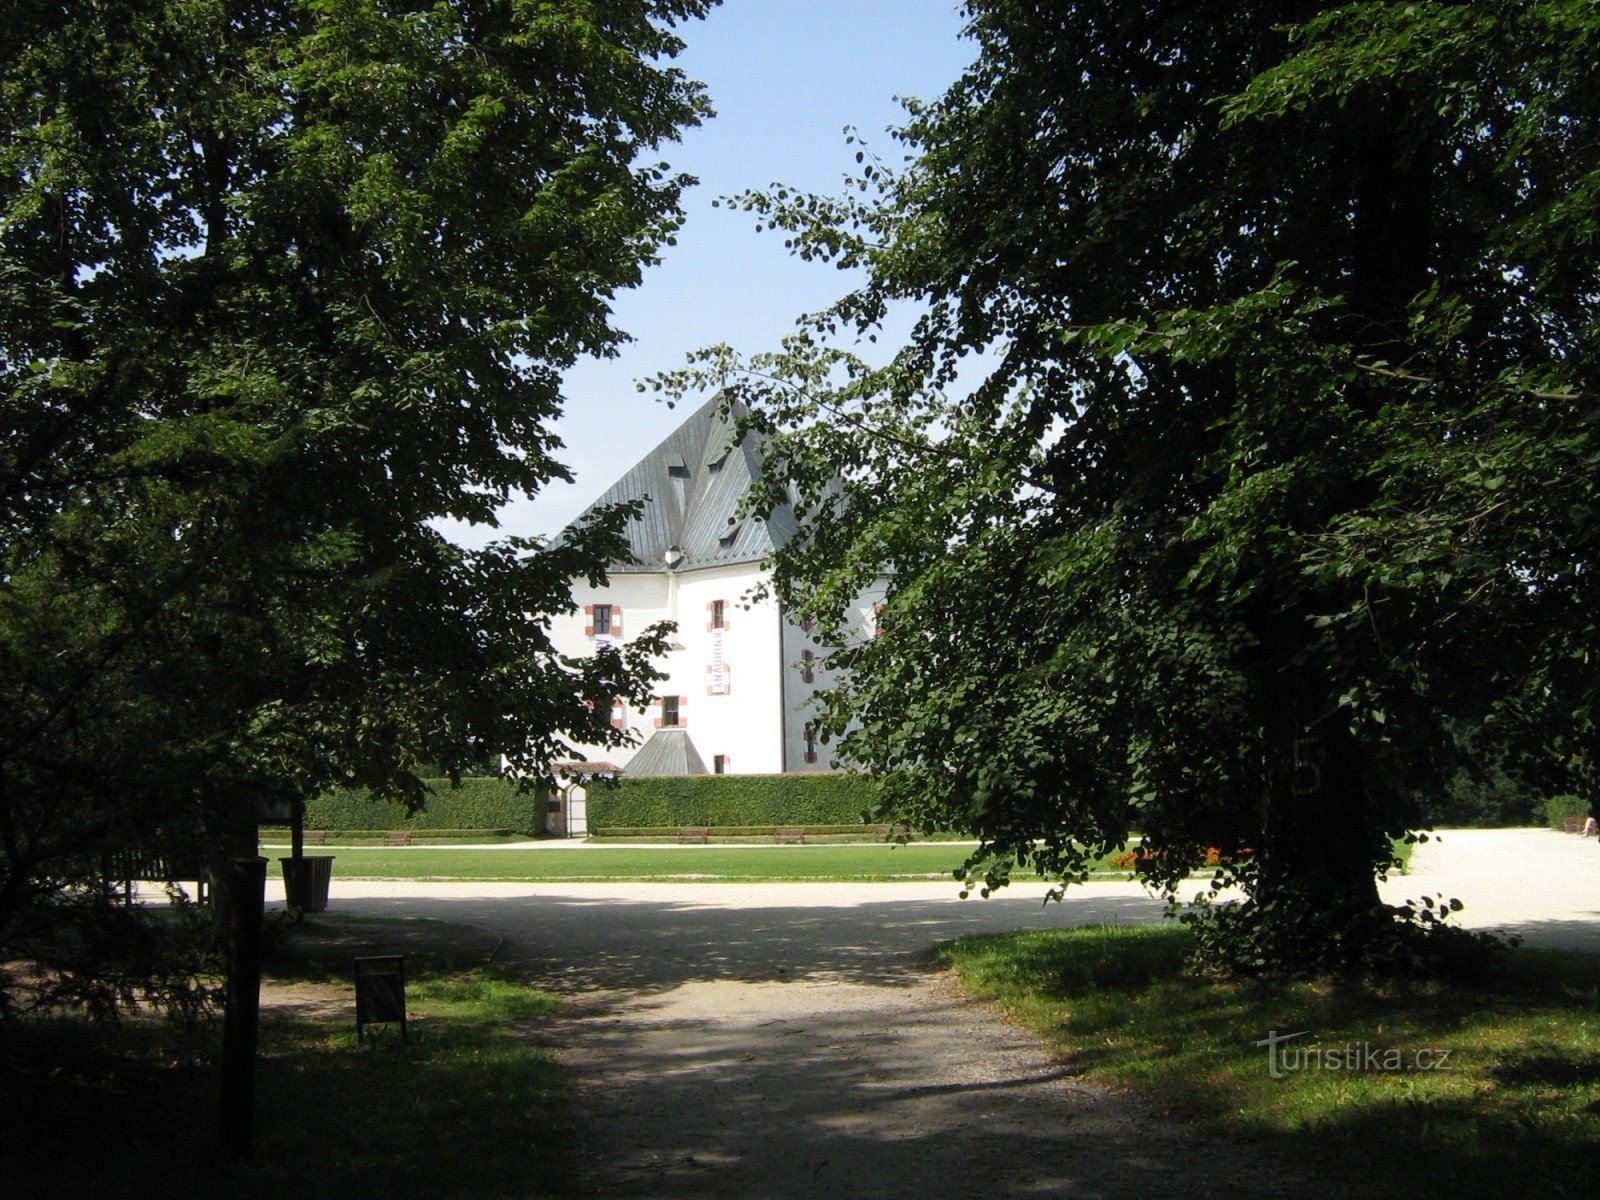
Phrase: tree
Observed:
(281, 282)
(1273, 502)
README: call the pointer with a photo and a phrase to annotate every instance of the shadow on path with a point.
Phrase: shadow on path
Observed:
(575, 944)
(766, 1051)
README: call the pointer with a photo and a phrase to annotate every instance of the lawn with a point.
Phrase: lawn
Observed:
(467, 1107)
(851, 862)
(1432, 1091)
(749, 863)
(855, 862)
(738, 863)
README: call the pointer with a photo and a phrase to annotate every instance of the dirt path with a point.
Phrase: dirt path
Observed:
(763, 1042)
(782, 1041)
(758, 1090)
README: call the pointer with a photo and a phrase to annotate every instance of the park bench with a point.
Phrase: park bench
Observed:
(397, 837)
(694, 833)
(315, 837)
(792, 834)
(134, 867)
(887, 832)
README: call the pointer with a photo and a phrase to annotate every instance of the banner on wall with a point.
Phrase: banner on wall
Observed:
(719, 667)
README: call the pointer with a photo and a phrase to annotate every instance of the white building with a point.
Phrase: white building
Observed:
(740, 672)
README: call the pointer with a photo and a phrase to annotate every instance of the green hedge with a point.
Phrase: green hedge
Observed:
(1558, 808)
(476, 804)
(671, 832)
(731, 800)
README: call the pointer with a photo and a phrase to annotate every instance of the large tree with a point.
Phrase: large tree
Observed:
(1238, 480)
(281, 283)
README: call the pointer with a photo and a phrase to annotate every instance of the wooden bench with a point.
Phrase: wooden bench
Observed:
(315, 837)
(888, 833)
(135, 867)
(694, 833)
(397, 837)
(791, 834)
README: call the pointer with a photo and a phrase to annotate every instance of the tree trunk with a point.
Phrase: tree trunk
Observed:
(1323, 833)
(1318, 840)
(237, 887)
(1313, 902)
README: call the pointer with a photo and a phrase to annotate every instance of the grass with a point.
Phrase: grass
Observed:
(861, 863)
(742, 863)
(857, 862)
(466, 1107)
(1517, 1111)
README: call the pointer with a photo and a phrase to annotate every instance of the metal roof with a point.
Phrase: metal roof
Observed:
(668, 752)
(581, 767)
(693, 484)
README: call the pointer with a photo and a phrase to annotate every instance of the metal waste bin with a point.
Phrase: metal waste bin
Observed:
(305, 881)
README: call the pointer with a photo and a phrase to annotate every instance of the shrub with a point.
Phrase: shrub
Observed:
(1496, 799)
(731, 800)
(476, 804)
(1559, 809)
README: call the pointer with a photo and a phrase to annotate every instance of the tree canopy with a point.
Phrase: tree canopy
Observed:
(281, 282)
(1237, 483)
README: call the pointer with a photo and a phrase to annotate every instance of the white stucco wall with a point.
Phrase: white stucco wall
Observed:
(758, 722)
(742, 722)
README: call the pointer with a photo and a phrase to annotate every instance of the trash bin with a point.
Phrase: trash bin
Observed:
(305, 881)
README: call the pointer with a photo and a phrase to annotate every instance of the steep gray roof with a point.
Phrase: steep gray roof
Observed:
(692, 485)
(668, 752)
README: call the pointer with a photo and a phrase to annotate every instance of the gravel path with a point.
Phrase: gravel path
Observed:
(780, 1040)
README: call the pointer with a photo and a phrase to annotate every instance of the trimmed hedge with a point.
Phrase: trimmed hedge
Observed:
(670, 832)
(476, 804)
(731, 800)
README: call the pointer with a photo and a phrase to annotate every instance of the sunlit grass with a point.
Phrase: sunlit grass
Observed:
(745, 864)
(854, 862)
(1516, 1107)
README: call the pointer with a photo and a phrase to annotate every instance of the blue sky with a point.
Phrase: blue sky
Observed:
(785, 77)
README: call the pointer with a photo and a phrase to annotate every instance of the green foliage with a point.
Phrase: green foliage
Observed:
(1238, 479)
(1287, 934)
(281, 284)
(474, 803)
(115, 957)
(354, 808)
(733, 800)
(1497, 801)
(814, 834)
(1558, 810)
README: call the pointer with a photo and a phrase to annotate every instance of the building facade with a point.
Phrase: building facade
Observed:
(739, 672)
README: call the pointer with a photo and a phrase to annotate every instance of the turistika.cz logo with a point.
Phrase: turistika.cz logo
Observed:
(1284, 1058)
